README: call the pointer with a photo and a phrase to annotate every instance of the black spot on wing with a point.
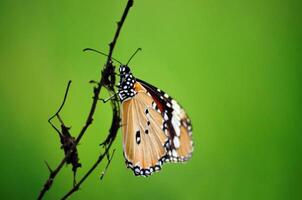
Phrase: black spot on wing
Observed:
(161, 99)
(138, 137)
(146, 111)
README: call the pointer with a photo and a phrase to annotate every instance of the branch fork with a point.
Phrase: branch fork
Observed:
(69, 143)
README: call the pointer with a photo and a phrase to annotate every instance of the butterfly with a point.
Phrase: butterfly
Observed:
(155, 128)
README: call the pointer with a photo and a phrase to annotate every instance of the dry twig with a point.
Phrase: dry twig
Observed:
(107, 80)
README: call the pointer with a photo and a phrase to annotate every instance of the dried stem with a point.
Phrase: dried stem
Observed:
(108, 81)
(59, 110)
(113, 131)
(62, 105)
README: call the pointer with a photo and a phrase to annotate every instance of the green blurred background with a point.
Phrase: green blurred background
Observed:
(234, 65)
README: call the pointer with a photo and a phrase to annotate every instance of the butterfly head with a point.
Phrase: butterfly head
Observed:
(124, 69)
(127, 81)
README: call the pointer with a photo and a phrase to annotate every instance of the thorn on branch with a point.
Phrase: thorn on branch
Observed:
(95, 91)
(94, 82)
(111, 44)
(48, 167)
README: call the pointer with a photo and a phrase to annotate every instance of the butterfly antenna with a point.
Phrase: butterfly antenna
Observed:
(137, 50)
(94, 50)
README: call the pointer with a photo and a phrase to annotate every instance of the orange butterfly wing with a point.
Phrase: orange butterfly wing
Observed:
(177, 123)
(145, 143)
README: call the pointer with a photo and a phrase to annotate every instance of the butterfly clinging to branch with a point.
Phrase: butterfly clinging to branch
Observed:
(155, 128)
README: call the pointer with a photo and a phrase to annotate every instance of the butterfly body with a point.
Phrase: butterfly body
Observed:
(155, 128)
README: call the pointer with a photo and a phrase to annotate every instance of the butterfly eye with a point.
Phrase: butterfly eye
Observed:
(127, 69)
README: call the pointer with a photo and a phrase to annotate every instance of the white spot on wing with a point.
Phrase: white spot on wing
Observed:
(174, 153)
(176, 142)
(175, 106)
(166, 116)
(177, 130)
(176, 125)
(153, 105)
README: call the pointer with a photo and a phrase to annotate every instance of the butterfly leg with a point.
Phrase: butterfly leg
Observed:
(109, 98)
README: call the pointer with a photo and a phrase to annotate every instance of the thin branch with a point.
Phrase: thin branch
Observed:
(48, 167)
(107, 166)
(119, 27)
(62, 105)
(115, 124)
(53, 173)
(108, 80)
(77, 186)
(106, 72)
(59, 110)
(50, 179)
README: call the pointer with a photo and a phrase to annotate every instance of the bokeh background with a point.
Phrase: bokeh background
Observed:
(235, 66)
